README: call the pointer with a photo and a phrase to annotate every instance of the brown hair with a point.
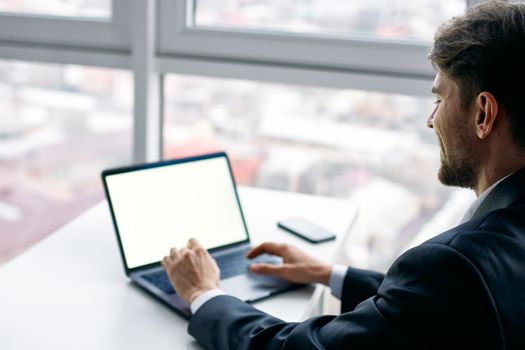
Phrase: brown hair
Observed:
(484, 50)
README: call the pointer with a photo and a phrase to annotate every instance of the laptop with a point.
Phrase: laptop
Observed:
(160, 205)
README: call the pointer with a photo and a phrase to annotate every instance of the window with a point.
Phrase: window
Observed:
(65, 8)
(285, 34)
(60, 125)
(66, 31)
(379, 18)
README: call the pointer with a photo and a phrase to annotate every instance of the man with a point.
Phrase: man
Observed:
(465, 288)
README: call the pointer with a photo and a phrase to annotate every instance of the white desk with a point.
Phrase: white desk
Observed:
(70, 290)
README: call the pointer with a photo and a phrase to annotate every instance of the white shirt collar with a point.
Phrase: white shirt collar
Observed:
(477, 203)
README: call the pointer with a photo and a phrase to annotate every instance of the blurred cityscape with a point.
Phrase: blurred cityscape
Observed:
(63, 8)
(404, 19)
(60, 125)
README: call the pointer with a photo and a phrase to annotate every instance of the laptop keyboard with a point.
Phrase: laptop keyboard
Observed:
(160, 280)
(230, 265)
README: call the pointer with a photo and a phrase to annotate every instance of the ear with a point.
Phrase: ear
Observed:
(487, 112)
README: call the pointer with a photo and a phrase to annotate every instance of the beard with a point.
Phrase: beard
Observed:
(458, 171)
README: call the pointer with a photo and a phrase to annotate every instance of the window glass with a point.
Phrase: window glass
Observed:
(60, 125)
(378, 18)
(372, 147)
(66, 8)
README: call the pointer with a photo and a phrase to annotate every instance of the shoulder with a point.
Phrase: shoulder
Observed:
(499, 228)
(466, 255)
(436, 286)
(437, 278)
(448, 259)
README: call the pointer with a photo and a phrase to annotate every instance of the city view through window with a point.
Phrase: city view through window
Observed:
(59, 127)
(401, 19)
(62, 8)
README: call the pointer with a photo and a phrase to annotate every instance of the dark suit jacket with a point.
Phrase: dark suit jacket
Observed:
(464, 289)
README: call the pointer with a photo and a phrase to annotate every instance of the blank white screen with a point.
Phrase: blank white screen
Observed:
(159, 208)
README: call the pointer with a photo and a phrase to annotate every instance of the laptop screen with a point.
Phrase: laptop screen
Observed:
(160, 207)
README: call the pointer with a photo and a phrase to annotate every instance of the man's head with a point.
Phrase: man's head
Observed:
(480, 60)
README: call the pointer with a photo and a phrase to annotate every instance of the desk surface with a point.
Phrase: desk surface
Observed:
(70, 290)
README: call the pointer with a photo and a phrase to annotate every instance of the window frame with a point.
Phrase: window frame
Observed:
(108, 34)
(181, 38)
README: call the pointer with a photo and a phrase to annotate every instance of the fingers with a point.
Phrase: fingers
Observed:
(269, 269)
(166, 263)
(178, 254)
(194, 244)
(174, 253)
(170, 259)
(196, 247)
(266, 247)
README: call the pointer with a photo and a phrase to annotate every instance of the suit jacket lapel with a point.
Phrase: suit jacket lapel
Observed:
(507, 192)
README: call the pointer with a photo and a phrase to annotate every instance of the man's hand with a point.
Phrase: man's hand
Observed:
(191, 270)
(297, 267)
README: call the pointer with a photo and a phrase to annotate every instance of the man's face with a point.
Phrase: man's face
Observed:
(454, 128)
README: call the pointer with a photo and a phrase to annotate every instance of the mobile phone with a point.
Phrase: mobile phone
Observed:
(306, 230)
